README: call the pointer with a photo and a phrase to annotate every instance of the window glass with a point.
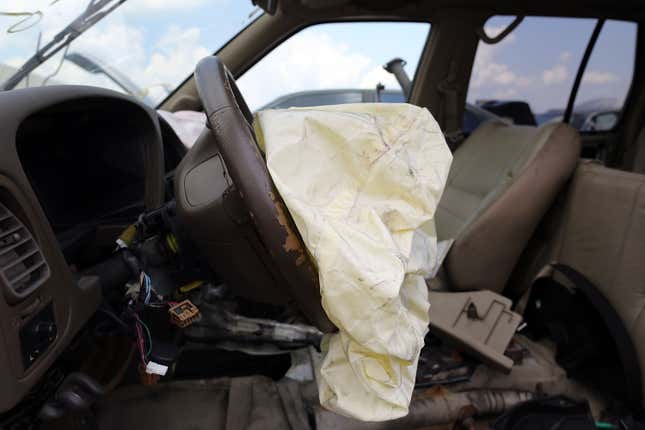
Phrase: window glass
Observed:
(607, 78)
(392, 97)
(537, 64)
(344, 57)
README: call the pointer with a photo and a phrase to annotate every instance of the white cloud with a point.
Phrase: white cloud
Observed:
(15, 61)
(598, 78)
(52, 16)
(555, 75)
(310, 60)
(21, 32)
(9, 66)
(179, 51)
(559, 72)
(495, 77)
(47, 6)
(506, 93)
(114, 42)
(153, 6)
(122, 47)
(55, 16)
(489, 71)
(117, 44)
(23, 5)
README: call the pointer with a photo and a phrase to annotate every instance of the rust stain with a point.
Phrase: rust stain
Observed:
(431, 393)
(292, 241)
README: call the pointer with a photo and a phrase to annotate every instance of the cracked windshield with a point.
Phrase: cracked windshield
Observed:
(142, 47)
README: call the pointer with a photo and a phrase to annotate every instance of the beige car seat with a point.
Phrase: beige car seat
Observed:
(502, 181)
(601, 234)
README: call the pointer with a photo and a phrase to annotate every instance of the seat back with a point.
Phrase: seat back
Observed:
(503, 179)
(601, 234)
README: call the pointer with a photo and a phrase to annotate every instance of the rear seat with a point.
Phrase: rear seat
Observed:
(600, 232)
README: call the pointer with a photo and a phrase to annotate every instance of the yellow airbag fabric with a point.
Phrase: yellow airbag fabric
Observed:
(359, 180)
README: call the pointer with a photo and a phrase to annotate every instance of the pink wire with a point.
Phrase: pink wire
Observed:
(140, 340)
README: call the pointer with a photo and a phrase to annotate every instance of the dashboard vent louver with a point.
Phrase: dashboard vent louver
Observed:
(22, 265)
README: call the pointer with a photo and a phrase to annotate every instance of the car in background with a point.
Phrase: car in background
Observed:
(473, 115)
(594, 115)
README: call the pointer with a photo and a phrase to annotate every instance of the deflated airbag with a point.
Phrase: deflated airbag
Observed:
(359, 180)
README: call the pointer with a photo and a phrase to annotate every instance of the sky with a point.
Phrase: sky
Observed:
(156, 44)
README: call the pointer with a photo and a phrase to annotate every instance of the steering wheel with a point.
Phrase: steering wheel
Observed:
(204, 200)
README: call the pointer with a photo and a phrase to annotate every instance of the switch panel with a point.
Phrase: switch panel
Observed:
(37, 335)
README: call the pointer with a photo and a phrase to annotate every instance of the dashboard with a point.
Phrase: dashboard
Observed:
(82, 164)
(73, 160)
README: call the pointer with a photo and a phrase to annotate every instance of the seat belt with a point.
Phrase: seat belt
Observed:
(450, 108)
(536, 312)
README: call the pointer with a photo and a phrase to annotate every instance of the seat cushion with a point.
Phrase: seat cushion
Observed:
(502, 181)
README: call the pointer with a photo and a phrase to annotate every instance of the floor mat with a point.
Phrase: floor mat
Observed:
(233, 404)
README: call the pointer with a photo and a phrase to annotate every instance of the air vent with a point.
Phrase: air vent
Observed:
(22, 265)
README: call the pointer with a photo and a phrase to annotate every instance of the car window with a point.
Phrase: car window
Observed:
(347, 58)
(607, 78)
(535, 88)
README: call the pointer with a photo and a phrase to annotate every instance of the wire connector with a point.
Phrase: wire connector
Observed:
(183, 313)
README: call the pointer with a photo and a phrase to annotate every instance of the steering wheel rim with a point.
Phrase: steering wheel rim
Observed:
(230, 122)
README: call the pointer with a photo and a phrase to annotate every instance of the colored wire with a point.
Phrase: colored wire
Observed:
(140, 342)
(149, 338)
(148, 282)
(142, 324)
(145, 283)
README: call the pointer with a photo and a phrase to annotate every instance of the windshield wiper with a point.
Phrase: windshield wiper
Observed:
(94, 12)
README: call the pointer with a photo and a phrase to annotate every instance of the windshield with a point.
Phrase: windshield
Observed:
(143, 47)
